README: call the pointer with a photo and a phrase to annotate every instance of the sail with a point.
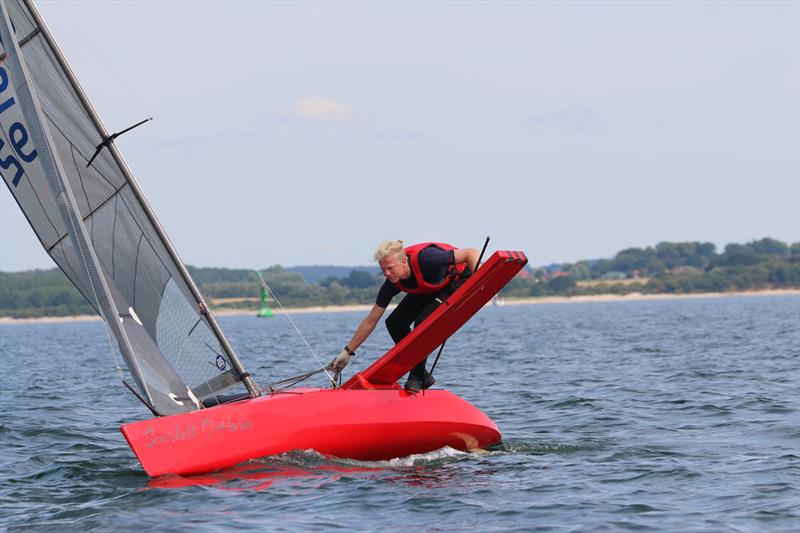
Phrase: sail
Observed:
(92, 219)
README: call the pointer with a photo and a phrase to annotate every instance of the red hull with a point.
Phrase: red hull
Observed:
(366, 425)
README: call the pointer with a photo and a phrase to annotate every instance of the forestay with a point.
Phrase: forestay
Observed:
(96, 225)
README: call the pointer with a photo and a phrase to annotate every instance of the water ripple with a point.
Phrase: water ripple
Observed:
(646, 416)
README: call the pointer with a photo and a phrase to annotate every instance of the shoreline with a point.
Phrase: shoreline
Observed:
(641, 297)
(542, 300)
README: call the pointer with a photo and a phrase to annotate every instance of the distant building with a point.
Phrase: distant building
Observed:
(614, 275)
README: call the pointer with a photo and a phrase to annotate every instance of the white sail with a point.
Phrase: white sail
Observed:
(91, 217)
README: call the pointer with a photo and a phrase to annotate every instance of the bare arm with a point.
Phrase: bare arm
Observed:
(468, 256)
(366, 327)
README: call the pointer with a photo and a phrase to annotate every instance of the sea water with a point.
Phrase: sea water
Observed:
(679, 415)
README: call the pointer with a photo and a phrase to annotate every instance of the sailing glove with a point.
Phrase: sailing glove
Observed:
(340, 361)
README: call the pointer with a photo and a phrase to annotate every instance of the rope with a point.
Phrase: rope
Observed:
(102, 58)
(322, 366)
(282, 385)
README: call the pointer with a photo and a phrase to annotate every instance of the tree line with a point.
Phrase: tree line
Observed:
(668, 267)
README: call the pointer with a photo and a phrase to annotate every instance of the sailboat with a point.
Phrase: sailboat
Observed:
(90, 215)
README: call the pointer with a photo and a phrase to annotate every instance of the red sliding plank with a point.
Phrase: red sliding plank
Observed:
(492, 276)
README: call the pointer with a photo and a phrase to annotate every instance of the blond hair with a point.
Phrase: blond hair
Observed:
(387, 248)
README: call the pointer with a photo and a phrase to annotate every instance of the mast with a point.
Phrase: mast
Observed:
(248, 381)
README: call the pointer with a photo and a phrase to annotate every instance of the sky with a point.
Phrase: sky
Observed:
(306, 133)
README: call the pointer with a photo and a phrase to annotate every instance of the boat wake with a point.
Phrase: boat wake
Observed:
(545, 448)
(438, 457)
(310, 467)
(307, 466)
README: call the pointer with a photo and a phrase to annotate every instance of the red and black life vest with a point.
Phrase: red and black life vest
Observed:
(425, 287)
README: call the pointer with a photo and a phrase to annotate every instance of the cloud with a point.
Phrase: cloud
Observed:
(332, 248)
(322, 109)
(313, 117)
(579, 119)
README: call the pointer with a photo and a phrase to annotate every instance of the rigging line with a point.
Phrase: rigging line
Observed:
(477, 266)
(141, 399)
(295, 327)
(292, 381)
(103, 59)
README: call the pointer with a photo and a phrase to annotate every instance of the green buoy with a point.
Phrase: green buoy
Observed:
(264, 311)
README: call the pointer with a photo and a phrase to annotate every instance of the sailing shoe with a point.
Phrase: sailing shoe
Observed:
(413, 383)
(416, 383)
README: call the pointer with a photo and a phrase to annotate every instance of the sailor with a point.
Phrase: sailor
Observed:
(428, 273)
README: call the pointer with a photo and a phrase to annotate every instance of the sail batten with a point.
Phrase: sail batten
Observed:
(22, 41)
(86, 218)
(94, 221)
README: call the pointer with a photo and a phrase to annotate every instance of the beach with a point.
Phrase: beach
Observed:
(636, 296)
(543, 300)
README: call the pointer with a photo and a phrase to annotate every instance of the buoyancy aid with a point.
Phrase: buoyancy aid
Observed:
(423, 286)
